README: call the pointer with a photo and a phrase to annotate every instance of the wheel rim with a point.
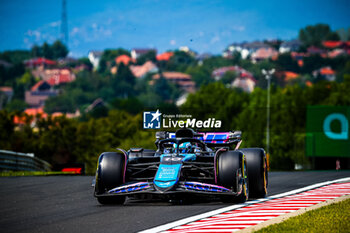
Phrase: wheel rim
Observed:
(265, 176)
(245, 179)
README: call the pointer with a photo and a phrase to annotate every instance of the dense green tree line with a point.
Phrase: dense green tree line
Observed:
(288, 114)
(60, 140)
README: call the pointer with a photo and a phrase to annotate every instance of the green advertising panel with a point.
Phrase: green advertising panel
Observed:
(327, 131)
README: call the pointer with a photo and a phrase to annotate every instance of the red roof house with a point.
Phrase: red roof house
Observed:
(264, 53)
(326, 72)
(39, 61)
(165, 56)
(40, 92)
(332, 44)
(61, 77)
(124, 59)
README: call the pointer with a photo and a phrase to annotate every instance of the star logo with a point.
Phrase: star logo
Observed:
(156, 115)
(151, 120)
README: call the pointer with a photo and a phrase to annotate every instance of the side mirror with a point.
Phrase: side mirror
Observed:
(236, 135)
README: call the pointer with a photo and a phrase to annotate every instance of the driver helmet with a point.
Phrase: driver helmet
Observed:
(185, 147)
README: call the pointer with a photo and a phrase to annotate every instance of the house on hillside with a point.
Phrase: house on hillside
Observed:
(290, 46)
(183, 81)
(96, 104)
(35, 113)
(313, 50)
(217, 74)
(67, 60)
(95, 57)
(264, 53)
(245, 82)
(54, 76)
(125, 59)
(164, 56)
(187, 50)
(136, 53)
(330, 44)
(336, 52)
(326, 73)
(39, 62)
(142, 70)
(245, 48)
(40, 92)
(62, 76)
(285, 77)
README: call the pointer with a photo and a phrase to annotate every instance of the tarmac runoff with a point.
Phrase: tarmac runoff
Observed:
(254, 215)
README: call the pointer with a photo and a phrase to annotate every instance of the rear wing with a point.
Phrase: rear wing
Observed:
(211, 139)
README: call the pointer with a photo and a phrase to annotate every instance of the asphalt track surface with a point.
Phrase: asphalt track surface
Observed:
(66, 204)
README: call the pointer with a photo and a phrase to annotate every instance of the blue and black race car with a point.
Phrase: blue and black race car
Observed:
(186, 162)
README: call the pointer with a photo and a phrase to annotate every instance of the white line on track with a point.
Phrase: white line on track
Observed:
(248, 203)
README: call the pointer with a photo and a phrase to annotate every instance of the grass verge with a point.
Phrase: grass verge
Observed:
(331, 218)
(33, 173)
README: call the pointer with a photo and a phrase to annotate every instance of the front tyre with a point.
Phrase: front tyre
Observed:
(232, 174)
(257, 167)
(110, 174)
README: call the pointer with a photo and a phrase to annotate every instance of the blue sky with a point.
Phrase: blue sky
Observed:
(205, 26)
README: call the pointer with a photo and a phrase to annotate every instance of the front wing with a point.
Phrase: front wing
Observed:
(182, 187)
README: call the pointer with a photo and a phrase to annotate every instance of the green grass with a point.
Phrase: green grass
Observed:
(32, 173)
(330, 218)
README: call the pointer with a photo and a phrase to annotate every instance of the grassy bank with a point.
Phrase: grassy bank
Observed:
(33, 173)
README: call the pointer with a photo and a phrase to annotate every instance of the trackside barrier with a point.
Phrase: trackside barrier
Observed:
(16, 161)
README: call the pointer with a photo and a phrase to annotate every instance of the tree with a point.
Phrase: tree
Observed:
(228, 77)
(180, 61)
(59, 50)
(47, 51)
(108, 57)
(124, 82)
(163, 88)
(36, 51)
(7, 129)
(344, 34)
(149, 56)
(130, 105)
(200, 75)
(85, 61)
(312, 63)
(16, 105)
(314, 35)
(22, 84)
(286, 62)
(55, 51)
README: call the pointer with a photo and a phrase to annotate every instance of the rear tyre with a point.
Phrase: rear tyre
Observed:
(257, 167)
(232, 174)
(110, 174)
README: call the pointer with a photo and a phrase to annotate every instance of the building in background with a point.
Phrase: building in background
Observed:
(95, 57)
(290, 46)
(136, 53)
(183, 81)
(40, 92)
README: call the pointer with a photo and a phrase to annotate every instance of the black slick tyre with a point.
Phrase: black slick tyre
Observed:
(232, 174)
(257, 168)
(110, 174)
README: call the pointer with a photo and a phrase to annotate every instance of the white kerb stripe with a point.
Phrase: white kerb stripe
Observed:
(232, 207)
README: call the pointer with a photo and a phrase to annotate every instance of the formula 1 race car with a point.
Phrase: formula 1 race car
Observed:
(186, 162)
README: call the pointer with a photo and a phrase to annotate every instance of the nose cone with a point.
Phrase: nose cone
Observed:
(167, 176)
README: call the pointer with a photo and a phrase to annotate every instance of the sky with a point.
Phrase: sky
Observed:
(202, 25)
